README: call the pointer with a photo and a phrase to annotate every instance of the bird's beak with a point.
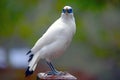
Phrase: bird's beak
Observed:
(66, 12)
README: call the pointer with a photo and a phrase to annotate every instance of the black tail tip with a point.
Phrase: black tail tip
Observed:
(28, 72)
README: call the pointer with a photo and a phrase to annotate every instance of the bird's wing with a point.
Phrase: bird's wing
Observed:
(49, 37)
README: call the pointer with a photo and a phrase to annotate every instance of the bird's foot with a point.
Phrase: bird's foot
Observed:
(55, 73)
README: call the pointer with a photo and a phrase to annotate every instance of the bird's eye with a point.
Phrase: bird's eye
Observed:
(69, 10)
(63, 10)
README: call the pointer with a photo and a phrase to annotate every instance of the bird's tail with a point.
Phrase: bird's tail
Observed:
(33, 61)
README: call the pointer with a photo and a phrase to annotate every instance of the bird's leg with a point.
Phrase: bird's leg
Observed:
(53, 70)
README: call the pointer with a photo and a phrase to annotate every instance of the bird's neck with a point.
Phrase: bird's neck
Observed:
(67, 17)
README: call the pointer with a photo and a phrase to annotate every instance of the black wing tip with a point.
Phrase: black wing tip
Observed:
(31, 56)
(28, 52)
(28, 72)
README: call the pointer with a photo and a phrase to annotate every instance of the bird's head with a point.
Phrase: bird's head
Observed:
(67, 10)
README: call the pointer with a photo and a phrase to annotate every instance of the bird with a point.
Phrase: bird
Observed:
(53, 42)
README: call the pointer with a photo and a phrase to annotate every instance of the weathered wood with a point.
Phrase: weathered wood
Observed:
(65, 76)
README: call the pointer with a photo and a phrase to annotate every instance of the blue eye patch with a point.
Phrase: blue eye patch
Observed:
(67, 10)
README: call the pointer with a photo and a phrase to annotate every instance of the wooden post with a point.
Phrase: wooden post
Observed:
(65, 76)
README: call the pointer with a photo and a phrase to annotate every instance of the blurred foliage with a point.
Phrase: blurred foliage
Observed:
(22, 22)
(12, 12)
(25, 19)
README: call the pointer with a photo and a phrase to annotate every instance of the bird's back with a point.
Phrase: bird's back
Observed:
(59, 30)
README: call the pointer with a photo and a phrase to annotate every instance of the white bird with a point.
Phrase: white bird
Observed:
(53, 42)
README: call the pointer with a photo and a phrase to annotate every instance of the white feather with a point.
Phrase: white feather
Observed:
(55, 41)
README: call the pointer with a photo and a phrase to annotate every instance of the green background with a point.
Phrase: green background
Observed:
(95, 49)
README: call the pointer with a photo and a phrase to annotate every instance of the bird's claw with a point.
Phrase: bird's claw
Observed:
(54, 73)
